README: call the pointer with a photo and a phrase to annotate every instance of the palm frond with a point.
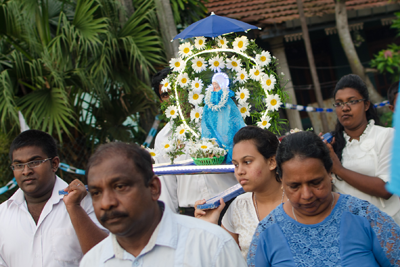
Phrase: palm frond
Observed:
(48, 110)
(8, 111)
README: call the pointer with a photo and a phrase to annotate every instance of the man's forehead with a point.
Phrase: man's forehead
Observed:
(112, 165)
(27, 152)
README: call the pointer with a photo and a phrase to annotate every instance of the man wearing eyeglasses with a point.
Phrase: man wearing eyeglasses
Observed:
(39, 227)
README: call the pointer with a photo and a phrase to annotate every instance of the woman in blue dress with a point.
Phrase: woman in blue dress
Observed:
(221, 117)
(317, 227)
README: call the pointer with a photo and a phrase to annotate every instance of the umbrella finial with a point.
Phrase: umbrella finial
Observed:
(212, 13)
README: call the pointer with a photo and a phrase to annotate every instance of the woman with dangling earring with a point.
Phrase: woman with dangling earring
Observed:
(318, 227)
(255, 169)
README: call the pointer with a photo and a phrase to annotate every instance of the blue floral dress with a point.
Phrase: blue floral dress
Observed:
(222, 124)
(356, 233)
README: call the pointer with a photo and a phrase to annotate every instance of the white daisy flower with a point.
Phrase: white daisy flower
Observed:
(263, 59)
(183, 80)
(242, 76)
(222, 42)
(167, 146)
(153, 153)
(199, 64)
(273, 102)
(185, 49)
(242, 95)
(181, 132)
(268, 82)
(177, 64)
(166, 85)
(240, 44)
(171, 112)
(200, 43)
(195, 98)
(196, 114)
(216, 62)
(205, 146)
(264, 122)
(244, 110)
(256, 73)
(233, 64)
(197, 84)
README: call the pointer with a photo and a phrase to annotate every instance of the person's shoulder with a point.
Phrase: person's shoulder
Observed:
(3, 209)
(165, 131)
(242, 201)
(355, 205)
(382, 131)
(273, 217)
(200, 227)
(94, 255)
(244, 197)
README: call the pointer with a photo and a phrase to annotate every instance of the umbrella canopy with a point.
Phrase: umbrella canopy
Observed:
(214, 26)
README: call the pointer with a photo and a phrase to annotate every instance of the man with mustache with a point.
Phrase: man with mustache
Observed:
(144, 231)
(39, 227)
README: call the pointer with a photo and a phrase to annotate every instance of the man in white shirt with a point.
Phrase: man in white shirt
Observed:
(38, 227)
(145, 232)
(182, 191)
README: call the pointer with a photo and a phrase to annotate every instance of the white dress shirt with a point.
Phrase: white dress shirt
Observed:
(241, 218)
(185, 190)
(52, 242)
(177, 241)
(370, 156)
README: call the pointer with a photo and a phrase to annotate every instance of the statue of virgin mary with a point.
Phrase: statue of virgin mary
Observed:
(221, 117)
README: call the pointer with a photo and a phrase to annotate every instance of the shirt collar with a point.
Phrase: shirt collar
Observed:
(18, 197)
(165, 234)
(364, 134)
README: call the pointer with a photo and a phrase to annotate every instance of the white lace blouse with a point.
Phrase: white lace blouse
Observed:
(241, 218)
(370, 156)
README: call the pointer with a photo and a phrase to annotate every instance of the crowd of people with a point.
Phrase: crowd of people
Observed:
(307, 202)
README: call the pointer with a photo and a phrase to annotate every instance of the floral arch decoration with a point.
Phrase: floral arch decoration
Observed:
(251, 73)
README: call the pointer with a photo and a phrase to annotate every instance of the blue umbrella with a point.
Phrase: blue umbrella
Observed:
(214, 26)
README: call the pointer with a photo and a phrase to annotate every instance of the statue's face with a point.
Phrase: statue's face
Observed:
(216, 86)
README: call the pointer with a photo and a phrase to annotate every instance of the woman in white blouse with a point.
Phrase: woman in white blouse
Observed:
(361, 150)
(255, 169)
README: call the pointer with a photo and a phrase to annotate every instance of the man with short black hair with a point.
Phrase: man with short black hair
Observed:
(145, 232)
(39, 227)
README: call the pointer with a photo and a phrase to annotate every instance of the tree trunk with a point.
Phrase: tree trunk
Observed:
(310, 56)
(350, 51)
(129, 10)
(167, 27)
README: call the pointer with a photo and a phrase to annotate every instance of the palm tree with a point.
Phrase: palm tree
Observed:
(56, 54)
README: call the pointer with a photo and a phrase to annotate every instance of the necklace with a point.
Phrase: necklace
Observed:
(221, 103)
(255, 204)
(333, 200)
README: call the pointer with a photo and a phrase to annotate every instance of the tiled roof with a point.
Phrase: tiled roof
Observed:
(262, 12)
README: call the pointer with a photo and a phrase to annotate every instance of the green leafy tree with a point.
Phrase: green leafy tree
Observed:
(78, 71)
(54, 53)
(388, 60)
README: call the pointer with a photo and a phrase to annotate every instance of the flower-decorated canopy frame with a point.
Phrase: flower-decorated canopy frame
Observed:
(264, 82)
